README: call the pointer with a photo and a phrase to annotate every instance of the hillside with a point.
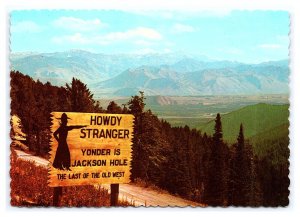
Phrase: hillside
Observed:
(272, 143)
(151, 80)
(243, 79)
(255, 118)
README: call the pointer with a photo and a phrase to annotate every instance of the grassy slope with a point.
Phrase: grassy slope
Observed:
(255, 118)
(272, 143)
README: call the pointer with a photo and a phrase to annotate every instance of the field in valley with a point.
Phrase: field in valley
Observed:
(197, 111)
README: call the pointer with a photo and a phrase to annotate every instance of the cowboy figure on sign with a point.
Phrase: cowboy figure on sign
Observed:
(62, 160)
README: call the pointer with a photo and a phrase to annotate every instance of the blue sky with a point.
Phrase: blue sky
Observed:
(245, 36)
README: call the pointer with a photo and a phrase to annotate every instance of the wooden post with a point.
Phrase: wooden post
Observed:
(114, 194)
(57, 193)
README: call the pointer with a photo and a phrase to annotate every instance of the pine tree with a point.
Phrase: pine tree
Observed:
(255, 190)
(114, 108)
(41, 119)
(153, 143)
(33, 102)
(137, 104)
(216, 183)
(81, 98)
(136, 107)
(241, 172)
(218, 134)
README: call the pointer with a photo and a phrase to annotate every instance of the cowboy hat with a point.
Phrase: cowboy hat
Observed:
(64, 117)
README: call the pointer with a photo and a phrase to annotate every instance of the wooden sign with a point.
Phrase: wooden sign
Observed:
(90, 148)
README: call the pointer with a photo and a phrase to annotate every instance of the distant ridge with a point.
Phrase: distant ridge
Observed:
(155, 74)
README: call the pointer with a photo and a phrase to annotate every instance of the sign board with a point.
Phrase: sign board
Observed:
(90, 148)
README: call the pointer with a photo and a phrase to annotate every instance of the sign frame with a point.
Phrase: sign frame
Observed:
(90, 148)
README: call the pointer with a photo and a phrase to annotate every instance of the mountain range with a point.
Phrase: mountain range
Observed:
(155, 74)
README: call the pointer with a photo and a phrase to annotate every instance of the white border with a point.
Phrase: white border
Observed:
(289, 5)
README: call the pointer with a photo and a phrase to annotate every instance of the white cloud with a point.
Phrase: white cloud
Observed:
(140, 34)
(75, 38)
(26, 26)
(270, 46)
(73, 23)
(167, 15)
(181, 28)
(143, 43)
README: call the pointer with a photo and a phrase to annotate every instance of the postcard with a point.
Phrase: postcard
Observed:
(149, 108)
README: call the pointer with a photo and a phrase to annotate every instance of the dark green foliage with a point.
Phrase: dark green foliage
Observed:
(136, 107)
(274, 181)
(114, 108)
(172, 158)
(33, 102)
(241, 173)
(81, 98)
(136, 104)
(273, 142)
(216, 184)
(218, 134)
(273, 169)
(179, 163)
